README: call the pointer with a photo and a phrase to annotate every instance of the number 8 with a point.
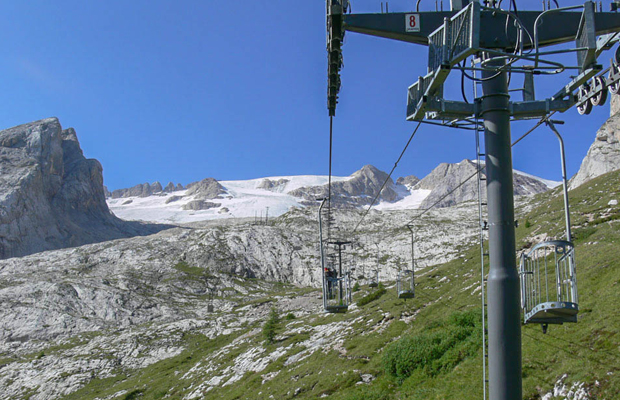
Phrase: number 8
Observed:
(412, 21)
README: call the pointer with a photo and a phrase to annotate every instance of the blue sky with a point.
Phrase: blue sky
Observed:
(183, 90)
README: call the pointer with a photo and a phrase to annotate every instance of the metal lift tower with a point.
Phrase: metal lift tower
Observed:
(498, 42)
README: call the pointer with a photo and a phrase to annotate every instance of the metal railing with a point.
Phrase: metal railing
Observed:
(456, 39)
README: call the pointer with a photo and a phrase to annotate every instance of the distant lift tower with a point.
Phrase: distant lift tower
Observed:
(498, 42)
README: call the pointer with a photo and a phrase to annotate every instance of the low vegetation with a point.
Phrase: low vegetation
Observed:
(372, 296)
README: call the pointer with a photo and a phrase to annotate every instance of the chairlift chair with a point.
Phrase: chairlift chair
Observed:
(548, 274)
(336, 281)
(405, 284)
(548, 283)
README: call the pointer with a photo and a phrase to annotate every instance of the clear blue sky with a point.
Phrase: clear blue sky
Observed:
(183, 90)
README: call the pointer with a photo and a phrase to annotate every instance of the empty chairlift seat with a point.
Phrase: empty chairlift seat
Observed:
(405, 284)
(548, 284)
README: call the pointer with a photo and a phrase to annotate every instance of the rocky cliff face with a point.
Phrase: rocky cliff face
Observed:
(51, 196)
(359, 190)
(604, 154)
(446, 177)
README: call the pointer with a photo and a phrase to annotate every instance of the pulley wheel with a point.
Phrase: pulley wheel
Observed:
(586, 107)
(614, 87)
(601, 96)
(617, 55)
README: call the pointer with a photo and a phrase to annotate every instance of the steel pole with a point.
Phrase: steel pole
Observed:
(322, 253)
(412, 261)
(569, 236)
(503, 282)
(341, 278)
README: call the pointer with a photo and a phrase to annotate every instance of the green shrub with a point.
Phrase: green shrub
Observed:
(356, 287)
(528, 223)
(290, 316)
(270, 326)
(134, 394)
(435, 352)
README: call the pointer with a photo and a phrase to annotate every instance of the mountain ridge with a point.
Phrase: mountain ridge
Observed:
(276, 195)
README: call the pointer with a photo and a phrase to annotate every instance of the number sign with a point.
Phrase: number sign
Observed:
(412, 22)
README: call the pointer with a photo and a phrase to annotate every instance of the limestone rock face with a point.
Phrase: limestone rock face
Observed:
(205, 189)
(604, 154)
(446, 177)
(156, 187)
(140, 190)
(410, 180)
(169, 188)
(51, 196)
(615, 104)
(359, 190)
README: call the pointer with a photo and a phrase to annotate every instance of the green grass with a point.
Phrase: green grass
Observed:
(372, 296)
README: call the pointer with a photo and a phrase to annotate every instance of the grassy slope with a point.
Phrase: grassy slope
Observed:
(586, 351)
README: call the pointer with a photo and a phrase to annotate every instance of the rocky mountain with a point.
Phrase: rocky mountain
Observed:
(446, 177)
(170, 187)
(357, 191)
(51, 196)
(144, 190)
(206, 189)
(409, 181)
(604, 154)
(134, 318)
(211, 199)
(127, 304)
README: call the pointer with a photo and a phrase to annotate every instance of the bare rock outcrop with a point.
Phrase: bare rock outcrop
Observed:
(140, 190)
(273, 185)
(51, 196)
(196, 205)
(604, 154)
(410, 180)
(446, 177)
(205, 189)
(359, 190)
